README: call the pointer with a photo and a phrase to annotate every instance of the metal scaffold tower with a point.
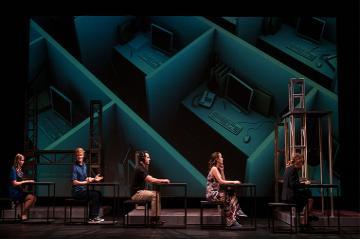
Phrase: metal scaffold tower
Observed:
(294, 125)
(31, 131)
(96, 163)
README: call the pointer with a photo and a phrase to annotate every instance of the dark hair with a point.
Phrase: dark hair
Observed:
(213, 159)
(142, 155)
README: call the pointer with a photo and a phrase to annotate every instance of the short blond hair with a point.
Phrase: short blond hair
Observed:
(79, 150)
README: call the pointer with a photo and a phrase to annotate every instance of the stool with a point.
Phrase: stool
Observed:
(272, 206)
(71, 202)
(131, 202)
(211, 203)
(8, 204)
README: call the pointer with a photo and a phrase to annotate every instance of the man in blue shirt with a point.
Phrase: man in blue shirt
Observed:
(79, 182)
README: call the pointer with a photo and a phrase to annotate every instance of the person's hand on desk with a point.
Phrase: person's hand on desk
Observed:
(164, 181)
(98, 178)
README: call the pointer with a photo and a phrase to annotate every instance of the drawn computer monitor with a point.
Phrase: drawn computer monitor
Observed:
(311, 28)
(61, 104)
(238, 92)
(162, 39)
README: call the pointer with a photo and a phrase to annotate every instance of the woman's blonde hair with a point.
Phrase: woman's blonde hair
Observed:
(17, 159)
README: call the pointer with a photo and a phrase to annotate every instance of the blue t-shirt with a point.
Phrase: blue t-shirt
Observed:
(79, 173)
(14, 176)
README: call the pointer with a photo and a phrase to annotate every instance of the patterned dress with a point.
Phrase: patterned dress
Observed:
(231, 205)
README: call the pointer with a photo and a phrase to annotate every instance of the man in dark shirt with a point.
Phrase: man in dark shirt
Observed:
(79, 181)
(138, 189)
(291, 192)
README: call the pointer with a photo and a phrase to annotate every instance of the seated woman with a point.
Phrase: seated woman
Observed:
(292, 193)
(216, 177)
(17, 194)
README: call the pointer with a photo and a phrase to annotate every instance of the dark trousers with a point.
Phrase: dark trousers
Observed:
(94, 198)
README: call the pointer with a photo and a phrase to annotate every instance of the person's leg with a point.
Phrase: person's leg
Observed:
(29, 201)
(149, 195)
(94, 203)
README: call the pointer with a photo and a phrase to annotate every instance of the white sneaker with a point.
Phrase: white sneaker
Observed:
(98, 219)
(241, 213)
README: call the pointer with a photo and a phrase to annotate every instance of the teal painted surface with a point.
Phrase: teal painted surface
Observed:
(33, 35)
(255, 67)
(249, 28)
(169, 84)
(260, 167)
(37, 57)
(96, 36)
(328, 102)
(166, 161)
(185, 28)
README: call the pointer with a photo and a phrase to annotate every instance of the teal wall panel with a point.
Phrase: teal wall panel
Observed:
(96, 36)
(37, 57)
(175, 79)
(166, 161)
(185, 28)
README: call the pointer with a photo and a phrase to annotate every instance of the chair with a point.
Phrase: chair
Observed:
(8, 204)
(272, 206)
(70, 202)
(206, 203)
(133, 203)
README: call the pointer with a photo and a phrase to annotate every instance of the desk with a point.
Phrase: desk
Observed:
(116, 192)
(276, 45)
(252, 193)
(327, 187)
(133, 62)
(248, 121)
(48, 185)
(184, 186)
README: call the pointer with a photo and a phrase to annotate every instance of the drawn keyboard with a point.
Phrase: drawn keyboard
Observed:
(150, 60)
(302, 52)
(225, 122)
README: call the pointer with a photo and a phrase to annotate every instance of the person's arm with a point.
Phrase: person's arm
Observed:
(215, 172)
(294, 181)
(16, 183)
(151, 179)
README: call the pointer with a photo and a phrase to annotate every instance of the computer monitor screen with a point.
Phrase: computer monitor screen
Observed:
(61, 104)
(238, 92)
(311, 28)
(162, 39)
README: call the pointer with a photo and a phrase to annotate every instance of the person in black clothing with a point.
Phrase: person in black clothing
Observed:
(291, 193)
(138, 189)
(79, 180)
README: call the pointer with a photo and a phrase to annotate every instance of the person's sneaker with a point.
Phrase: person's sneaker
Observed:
(98, 219)
(235, 225)
(91, 220)
(241, 213)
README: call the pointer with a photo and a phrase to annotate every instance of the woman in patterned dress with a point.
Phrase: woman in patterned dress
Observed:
(213, 193)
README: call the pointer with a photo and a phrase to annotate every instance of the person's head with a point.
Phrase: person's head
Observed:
(79, 155)
(297, 160)
(216, 160)
(144, 158)
(19, 161)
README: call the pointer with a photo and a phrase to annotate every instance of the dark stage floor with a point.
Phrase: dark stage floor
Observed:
(60, 231)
